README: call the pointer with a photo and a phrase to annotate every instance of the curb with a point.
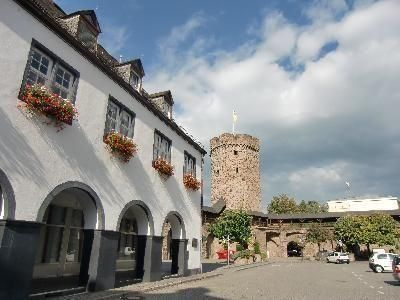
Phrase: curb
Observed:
(137, 290)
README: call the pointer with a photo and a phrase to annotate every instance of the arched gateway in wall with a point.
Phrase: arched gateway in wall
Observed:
(135, 227)
(174, 255)
(71, 214)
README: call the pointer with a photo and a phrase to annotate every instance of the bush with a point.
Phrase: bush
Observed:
(239, 247)
(243, 254)
(257, 248)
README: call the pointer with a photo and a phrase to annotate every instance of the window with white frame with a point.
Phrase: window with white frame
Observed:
(189, 166)
(134, 80)
(46, 69)
(119, 119)
(161, 147)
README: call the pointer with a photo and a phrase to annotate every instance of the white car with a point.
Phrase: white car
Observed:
(338, 257)
(380, 262)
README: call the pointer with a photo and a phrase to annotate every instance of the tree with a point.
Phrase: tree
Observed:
(311, 207)
(282, 204)
(317, 234)
(376, 229)
(235, 223)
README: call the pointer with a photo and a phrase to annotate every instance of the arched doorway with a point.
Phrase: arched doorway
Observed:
(210, 251)
(174, 254)
(70, 215)
(293, 249)
(135, 227)
(7, 201)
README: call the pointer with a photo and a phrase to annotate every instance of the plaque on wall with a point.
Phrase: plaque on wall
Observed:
(194, 242)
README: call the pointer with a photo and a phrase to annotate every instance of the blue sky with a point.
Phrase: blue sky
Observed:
(315, 80)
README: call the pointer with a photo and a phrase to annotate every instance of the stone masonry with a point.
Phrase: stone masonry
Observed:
(235, 171)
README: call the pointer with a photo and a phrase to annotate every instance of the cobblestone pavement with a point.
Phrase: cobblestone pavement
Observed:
(282, 279)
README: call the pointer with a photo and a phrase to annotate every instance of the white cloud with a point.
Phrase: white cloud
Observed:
(342, 108)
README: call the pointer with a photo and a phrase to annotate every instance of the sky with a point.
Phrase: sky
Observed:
(316, 81)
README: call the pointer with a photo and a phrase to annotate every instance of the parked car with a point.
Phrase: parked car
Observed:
(396, 267)
(380, 262)
(338, 257)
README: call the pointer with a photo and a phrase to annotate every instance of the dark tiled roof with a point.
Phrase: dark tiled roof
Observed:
(91, 18)
(51, 16)
(166, 94)
(216, 208)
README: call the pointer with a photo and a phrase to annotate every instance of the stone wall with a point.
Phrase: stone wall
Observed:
(235, 171)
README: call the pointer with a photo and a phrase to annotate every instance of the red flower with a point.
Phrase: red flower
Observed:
(120, 145)
(39, 99)
(191, 182)
(163, 167)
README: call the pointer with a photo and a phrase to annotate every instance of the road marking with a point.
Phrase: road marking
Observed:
(380, 287)
(359, 278)
(275, 265)
(371, 286)
(365, 282)
(381, 292)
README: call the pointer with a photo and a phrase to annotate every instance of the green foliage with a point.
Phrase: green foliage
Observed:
(257, 249)
(235, 223)
(376, 229)
(282, 204)
(318, 234)
(239, 247)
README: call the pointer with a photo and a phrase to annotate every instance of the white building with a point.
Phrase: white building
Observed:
(363, 204)
(72, 212)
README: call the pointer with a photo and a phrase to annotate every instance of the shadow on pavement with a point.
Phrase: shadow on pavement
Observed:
(212, 265)
(190, 293)
(393, 282)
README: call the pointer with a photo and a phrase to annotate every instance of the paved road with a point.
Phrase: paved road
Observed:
(288, 280)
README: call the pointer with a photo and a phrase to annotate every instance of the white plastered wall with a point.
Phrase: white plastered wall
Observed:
(36, 158)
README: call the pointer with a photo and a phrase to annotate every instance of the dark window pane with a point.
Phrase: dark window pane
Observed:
(36, 56)
(45, 61)
(77, 218)
(52, 244)
(43, 69)
(56, 215)
(74, 249)
(35, 64)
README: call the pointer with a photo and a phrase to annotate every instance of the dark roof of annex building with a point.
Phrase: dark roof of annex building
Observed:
(51, 15)
(219, 206)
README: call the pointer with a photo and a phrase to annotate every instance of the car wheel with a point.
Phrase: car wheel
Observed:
(378, 269)
(348, 262)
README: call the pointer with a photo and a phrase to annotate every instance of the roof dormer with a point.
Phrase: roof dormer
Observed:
(132, 72)
(84, 26)
(163, 101)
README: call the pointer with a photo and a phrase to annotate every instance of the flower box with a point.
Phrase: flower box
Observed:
(120, 145)
(191, 182)
(163, 167)
(39, 99)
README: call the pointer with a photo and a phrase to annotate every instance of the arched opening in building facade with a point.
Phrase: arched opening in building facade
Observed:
(7, 201)
(135, 225)
(69, 214)
(294, 249)
(174, 252)
(210, 249)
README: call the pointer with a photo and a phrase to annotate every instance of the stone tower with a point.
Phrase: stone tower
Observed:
(235, 171)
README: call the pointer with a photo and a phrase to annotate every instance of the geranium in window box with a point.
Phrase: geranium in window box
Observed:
(39, 99)
(191, 182)
(120, 145)
(163, 167)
